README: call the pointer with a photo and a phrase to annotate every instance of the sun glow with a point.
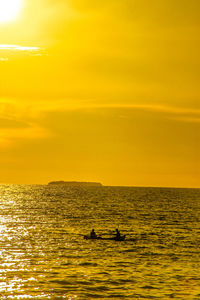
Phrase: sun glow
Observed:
(9, 10)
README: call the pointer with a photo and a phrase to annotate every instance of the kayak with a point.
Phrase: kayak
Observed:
(121, 238)
(88, 237)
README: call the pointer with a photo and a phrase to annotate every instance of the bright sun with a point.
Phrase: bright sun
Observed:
(9, 10)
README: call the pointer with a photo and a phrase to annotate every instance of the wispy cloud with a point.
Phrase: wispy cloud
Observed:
(10, 136)
(188, 119)
(21, 120)
(149, 107)
(18, 48)
(7, 50)
(17, 123)
(35, 109)
(183, 114)
(177, 113)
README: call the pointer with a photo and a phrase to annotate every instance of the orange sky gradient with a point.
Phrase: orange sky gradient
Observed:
(102, 91)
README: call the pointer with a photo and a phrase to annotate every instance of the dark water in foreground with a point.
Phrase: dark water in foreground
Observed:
(44, 256)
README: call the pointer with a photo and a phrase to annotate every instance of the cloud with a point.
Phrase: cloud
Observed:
(175, 113)
(188, 119)
(12, 136)
(11, 123)
(19, 48)
(179, 114)
(18, 122)
(187, 114)
(25, 112)
(13, 51)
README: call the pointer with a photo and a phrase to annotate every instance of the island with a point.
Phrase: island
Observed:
(74, 183)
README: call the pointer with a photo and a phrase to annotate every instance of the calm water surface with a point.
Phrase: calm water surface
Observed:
(43, 254)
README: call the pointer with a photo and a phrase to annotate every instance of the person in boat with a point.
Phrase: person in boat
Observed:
(118, 234)
(93, 234)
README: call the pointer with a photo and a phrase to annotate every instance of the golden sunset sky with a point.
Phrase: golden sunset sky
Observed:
(103, 91)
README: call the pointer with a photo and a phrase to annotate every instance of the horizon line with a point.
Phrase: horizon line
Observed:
(134, 186)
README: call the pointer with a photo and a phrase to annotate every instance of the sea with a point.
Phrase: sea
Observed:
(43, 254)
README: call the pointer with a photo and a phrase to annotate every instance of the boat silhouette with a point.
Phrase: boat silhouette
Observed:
(115, 238)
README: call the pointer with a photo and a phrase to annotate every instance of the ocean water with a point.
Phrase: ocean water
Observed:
(43, 254)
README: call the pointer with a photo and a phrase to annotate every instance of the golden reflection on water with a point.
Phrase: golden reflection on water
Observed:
(43, 254)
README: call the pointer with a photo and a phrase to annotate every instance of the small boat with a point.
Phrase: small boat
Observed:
(88, 237)
(121, 238)
(115, 238)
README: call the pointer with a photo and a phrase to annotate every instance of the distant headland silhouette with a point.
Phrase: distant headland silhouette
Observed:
(74, 183)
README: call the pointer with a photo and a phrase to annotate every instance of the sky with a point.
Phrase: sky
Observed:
(103, 91)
